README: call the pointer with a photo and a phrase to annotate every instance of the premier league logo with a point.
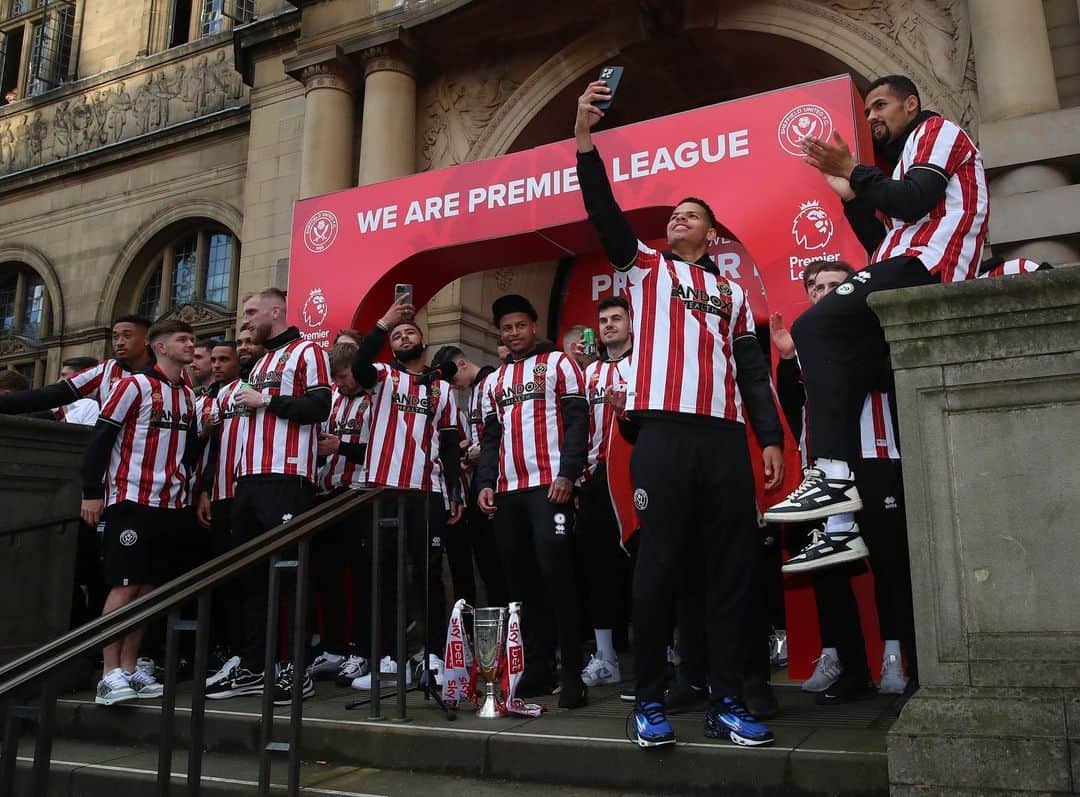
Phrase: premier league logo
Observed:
(320, 231)
(314, 311)
(800, 122)
(812, 227)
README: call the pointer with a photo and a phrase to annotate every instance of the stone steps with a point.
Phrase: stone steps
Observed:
(838, 750)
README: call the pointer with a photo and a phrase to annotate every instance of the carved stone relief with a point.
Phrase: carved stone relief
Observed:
(936, 34)
(151, 101)
(196, 313)
(455, 112)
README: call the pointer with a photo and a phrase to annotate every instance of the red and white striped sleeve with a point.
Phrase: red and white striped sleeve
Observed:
(943, 146)
(87, 384)
(744, 322)
(315, 367)
(569, 381)
(123, 401)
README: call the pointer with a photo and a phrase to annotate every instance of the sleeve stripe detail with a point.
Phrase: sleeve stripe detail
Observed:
(930, 167)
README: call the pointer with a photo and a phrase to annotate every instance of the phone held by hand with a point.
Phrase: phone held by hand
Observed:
(403, 289)
(610, 75)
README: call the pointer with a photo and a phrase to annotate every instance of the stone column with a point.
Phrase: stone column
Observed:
(326, 155)
(1015, 73)
(388, 127)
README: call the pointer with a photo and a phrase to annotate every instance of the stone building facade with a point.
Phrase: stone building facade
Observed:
(151, 150)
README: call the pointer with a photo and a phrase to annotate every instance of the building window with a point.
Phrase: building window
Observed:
(23, 302)
(24, 320)
(219, 15)
(35, 47)
(196, 266)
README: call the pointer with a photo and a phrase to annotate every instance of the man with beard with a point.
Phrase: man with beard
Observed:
(132, 354)
(414, 447)
(473, 536)
(925, 224)
(247, 350)
(200, 370)
(135, 476)
(534, 448)
(286, 398)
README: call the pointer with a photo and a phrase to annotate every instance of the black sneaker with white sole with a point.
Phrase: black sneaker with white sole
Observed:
(283, 686)
(827, 549)
(817, 497)
(238, 681)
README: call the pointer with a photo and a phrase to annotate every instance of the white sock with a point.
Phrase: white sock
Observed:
(892, 648)
(830, 652)
(841, 522)
(834, 468)
(604, 646)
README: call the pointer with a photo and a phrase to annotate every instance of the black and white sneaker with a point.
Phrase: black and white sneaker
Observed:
(325, 666)
(114, 688)
(353, 666)
(817, 497)
(284, 682)
(238, 681)
(828, 548)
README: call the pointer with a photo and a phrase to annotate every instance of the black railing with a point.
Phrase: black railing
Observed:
(44, 666)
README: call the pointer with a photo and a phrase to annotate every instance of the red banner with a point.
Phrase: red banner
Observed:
(742, 156)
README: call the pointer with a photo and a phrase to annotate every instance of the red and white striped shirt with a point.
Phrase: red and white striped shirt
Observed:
(398, 450)
(476, 412)
(279, 445)
(1020, 265)
(350, 419)
(600, 377)
(949, 239)
(146, 463)
(876, 432)
(686, 321)
(231, 421)
(524, 396)
(98, 382)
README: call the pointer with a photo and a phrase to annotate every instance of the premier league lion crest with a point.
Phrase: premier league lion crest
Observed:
(812, 227)
(314, 310)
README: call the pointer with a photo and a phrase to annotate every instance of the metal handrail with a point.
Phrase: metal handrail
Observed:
(168, 599)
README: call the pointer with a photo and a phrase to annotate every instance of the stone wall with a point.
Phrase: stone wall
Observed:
(39, 481)
(988, 384)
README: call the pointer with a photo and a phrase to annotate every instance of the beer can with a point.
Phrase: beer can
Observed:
(588, 340)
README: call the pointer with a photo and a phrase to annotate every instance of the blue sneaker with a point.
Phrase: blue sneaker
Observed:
(650, 726)
(731, 718)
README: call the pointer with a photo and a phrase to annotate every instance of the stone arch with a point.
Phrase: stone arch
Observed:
(216, 210)
(864, 47)
(36, 260)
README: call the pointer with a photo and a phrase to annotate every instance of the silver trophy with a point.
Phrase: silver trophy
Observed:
(489, 634)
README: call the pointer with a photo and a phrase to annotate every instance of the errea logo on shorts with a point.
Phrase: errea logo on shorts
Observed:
(800, 122)
(320, 231)
(128, 537)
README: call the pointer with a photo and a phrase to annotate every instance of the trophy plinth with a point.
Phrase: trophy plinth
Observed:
(489, 631)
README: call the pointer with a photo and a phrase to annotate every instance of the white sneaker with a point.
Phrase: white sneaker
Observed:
(387, 675)
(893, 681)
(223, 673)
(147, 665)
(114, 688)
(826, 670)
(145, 686)
(599, 671)
(325, 666)
(351, 668)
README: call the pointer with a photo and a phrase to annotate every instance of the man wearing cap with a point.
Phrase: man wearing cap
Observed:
(534, 447)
